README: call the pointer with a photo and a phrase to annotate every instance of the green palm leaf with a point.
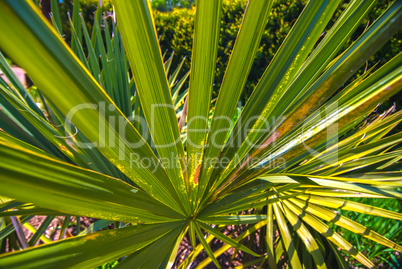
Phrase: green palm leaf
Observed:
(118, 137)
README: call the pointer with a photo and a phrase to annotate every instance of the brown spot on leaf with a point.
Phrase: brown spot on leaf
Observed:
(197, 174)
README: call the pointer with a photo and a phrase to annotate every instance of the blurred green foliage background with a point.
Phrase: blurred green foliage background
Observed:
(174, 21)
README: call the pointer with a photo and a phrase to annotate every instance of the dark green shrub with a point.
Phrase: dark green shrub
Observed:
(87, 8)
(168, 5)
(175, 30)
